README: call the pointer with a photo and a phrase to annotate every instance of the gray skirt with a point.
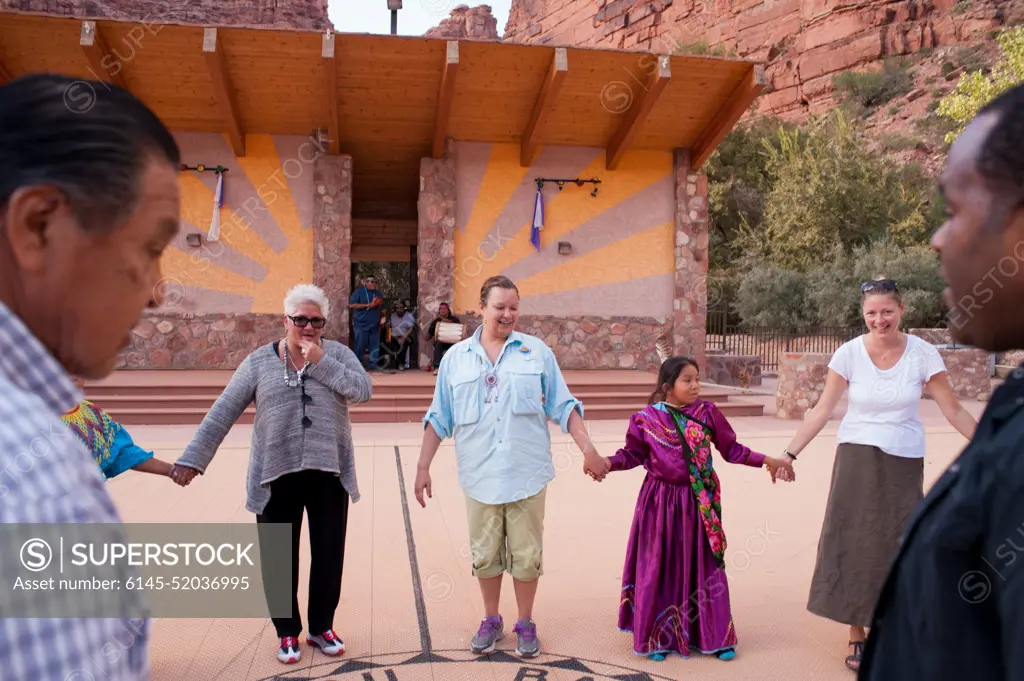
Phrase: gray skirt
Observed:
(869, 503)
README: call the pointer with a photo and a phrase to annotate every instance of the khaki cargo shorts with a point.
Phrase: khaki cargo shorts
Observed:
(507, 537)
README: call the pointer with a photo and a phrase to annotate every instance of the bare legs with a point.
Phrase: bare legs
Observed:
(526, 594)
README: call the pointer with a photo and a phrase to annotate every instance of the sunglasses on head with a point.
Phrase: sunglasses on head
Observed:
(301, 322)
(875, 285)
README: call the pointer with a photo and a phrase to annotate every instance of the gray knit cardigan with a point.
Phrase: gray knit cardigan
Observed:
(280, 445)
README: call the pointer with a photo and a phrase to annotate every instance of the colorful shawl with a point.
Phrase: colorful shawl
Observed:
(109, 443)
(695, 441)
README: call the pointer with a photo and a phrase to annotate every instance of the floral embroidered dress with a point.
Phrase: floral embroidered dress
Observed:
(106, 439)
(674, 590)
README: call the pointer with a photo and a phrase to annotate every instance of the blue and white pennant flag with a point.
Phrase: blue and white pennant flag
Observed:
(538, 221)
(218, 203)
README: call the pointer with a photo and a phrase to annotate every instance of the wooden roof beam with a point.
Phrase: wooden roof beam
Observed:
(739, 101)
(103, 66)
(638, 113)
(446, 97)
(216, 65)
(544, 106)
(330, 68)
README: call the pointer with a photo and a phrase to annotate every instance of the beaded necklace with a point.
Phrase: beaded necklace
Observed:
(300, 374)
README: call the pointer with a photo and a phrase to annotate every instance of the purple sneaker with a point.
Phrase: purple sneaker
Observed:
(492, 630)
(529, 644)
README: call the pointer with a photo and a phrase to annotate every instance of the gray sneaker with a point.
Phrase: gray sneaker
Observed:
(492, 630)
(529, 644)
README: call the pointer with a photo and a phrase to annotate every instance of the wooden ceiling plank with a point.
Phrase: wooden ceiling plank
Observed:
(637, 114)
(330, 68)
(544, 106)
(752, 85)
(446, 97)
(104, 66)
(217, 67)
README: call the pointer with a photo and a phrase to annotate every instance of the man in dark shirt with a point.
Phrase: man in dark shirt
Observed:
(365, 304)
(953, 604)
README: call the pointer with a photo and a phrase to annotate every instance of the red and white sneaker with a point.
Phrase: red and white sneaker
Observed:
(328, 643)
(289, 652)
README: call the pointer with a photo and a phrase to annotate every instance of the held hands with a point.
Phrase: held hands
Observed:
(780, 469)
(595, 465)
(182, 475)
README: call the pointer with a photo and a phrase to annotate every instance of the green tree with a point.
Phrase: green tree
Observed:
(834, 285)
(828, 188)
(974, 90)
(770, 295)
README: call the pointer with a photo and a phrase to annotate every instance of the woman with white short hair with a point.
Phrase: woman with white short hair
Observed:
(302, 456)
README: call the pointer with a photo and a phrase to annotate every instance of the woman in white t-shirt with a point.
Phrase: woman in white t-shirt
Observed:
(878, 474)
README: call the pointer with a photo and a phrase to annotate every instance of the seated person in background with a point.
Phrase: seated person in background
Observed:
(109, 443)
(403, 323)
(444, 314)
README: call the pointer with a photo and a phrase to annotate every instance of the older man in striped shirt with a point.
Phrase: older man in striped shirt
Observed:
(88, 203)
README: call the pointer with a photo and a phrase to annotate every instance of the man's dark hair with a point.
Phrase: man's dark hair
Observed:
(90, 139)
(1001, 160)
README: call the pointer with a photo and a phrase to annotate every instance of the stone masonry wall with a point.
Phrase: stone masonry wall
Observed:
(332, 238)
(303, 14)
(436, 240)
(690, 303)
(801, 382)
(968, 371)
(215, 341)
(585, 342)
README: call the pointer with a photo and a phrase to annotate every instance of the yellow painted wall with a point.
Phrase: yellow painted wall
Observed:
(622, 240)
(266, 242)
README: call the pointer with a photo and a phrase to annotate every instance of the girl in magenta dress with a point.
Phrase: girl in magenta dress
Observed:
(674, 590)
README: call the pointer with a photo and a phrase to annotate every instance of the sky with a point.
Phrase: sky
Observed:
(415, 18)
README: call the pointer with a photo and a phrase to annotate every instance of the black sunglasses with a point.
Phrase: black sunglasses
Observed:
(301, 322)
(884, 285)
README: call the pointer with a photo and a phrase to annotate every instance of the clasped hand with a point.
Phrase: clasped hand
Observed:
(780, 469)
(182, 475)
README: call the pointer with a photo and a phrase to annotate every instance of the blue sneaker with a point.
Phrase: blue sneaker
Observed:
(491, 630)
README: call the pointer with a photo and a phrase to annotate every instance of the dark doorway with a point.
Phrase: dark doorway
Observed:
(396, 281)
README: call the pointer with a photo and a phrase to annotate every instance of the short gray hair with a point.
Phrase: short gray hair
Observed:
(306, 293)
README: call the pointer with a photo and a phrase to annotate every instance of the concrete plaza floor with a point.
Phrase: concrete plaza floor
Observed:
(409, 604)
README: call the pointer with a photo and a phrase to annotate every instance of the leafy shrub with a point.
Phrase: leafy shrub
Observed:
(974, 90)
(871, 89)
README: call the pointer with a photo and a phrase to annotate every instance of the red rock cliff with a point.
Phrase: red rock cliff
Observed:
(803, 42)
(305, 14)
(464, 22)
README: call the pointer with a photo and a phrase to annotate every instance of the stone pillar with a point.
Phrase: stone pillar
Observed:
(801, 382)
(332, 238)
(435, 249)
(969, 372)
(689, 305)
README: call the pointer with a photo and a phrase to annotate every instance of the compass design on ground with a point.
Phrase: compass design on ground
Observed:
(460, 664)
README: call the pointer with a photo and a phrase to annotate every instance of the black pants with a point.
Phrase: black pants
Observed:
(439, 350)
(325, 501)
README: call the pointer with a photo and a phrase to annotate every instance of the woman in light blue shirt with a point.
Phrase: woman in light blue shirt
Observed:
(495, 393)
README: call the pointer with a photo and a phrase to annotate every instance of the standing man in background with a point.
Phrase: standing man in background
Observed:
(365, 304)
